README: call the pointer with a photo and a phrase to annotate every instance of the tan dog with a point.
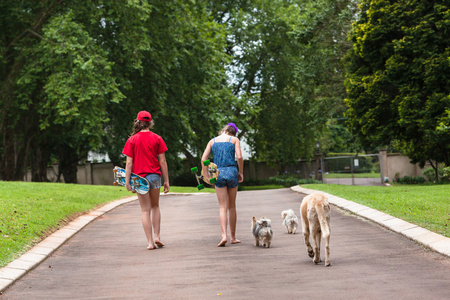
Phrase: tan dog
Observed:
(315, 215)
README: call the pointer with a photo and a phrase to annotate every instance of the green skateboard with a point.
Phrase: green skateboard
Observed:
(213, 172)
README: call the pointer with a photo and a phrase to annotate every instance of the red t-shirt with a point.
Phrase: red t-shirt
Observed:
(144, 148)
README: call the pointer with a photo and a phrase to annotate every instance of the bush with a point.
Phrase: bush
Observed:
(255, 182)
(184, 179)
(443, 173)
(411, 180)
(446, 174)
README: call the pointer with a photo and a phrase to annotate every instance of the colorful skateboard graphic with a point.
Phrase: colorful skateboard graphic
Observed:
(213, 172)
(138, 184)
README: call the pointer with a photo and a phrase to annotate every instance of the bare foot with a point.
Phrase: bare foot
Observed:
(151, 247)
(159, 244)
(222, 243)
(236, 241)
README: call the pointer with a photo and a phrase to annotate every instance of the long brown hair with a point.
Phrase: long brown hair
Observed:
(141, 125)
(229, 130)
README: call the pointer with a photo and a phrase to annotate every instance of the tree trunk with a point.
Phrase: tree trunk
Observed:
(39, 161)
(68, 164)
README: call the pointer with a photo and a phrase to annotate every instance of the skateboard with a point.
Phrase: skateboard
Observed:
(213, 172)
(138, 184)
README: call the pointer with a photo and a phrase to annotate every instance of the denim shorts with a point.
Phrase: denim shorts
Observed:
(154, 180)
(228, 177)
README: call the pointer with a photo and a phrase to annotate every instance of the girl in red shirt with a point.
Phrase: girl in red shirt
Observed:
(145, 157)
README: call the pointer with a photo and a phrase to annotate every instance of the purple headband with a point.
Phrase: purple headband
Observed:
(234, 126)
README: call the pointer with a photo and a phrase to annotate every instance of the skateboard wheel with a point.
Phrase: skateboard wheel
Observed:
(213, 180)
(200, 187)
(115, 183)
(194, 170)
(206, 162)
(133, 191)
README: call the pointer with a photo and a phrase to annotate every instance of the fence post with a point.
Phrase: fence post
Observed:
(318, 167)
(383, 165)
(351, 167)
(88, 172)
(322, 165)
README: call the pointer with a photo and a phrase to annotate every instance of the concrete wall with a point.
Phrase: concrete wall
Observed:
(397, 163)
(89, 173)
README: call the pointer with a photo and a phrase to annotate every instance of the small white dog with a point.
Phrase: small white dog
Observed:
(290, 220)
(262, 231)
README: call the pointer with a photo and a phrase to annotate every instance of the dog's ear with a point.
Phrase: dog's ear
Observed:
(283, 215)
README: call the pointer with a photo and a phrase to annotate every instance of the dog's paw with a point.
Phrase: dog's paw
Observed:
(311, 253)
(328, 264)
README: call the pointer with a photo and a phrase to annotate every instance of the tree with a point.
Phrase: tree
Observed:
(75, 73)
(398, 75)
(286, 71)
(182, 82)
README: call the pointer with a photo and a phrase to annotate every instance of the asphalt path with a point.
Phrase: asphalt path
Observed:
(108, 258)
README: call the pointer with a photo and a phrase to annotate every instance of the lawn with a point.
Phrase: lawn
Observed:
(29, 211)
(427, 206)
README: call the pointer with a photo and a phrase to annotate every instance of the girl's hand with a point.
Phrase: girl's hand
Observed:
(166, 187)
(128, 186)
(240, 177)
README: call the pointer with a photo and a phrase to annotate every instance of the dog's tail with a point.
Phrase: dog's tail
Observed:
(323, 209)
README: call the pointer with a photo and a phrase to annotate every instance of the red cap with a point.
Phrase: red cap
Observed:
(144, 116)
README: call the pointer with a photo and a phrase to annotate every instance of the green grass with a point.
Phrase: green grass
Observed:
(427, 206)
(356, 175)
(29, 211)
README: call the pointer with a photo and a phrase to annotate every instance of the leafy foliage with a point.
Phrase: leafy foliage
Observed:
(287, 71)
(397, 70)
(75, 73)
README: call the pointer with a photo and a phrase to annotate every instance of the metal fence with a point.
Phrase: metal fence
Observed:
(352, 170)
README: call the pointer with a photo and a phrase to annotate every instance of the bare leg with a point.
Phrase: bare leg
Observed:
(232, 193)
(222, 197)
(156, 216)
(144, 201)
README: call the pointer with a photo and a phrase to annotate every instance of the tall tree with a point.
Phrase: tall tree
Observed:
(58, 79)
(398, 75)
(286, 70)
(182, 82)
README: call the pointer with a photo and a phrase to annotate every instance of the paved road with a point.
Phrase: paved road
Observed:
(108, 259)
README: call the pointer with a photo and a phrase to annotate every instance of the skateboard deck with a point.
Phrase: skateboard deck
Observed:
(138, 184)
(213, 172)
